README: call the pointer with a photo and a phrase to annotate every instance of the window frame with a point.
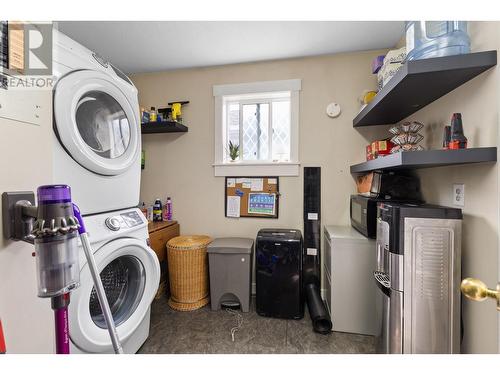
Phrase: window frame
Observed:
(223, 167)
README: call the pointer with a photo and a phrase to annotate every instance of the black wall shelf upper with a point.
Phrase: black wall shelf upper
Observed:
(420, 82)
(163, 127)
(427, 159)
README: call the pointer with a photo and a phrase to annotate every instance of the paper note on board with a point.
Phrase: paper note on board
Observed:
(272, 181)
(231, 182)
(233, 206)
(257, 184)
(246, 184)
(240, 180)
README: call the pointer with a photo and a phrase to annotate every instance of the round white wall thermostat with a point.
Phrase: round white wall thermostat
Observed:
(333, 110)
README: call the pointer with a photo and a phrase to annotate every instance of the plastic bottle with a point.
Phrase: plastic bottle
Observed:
(165, 211)
(153, 115)
(458, 139)
(150, 213)
(426, 39)
(168, 209)
(144, 209)
(157, 210)
(142, 115)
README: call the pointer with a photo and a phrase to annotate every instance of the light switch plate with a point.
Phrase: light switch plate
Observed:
(459, 195)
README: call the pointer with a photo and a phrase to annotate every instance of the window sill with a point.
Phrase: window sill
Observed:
(256, 169)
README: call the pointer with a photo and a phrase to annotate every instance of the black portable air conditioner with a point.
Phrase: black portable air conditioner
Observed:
(279, 273)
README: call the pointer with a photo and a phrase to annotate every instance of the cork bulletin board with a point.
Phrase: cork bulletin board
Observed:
(252, 197)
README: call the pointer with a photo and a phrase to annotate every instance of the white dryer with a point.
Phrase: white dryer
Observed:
(130, 274)
(97, 143)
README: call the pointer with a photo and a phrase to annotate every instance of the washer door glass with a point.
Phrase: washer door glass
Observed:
(123, 280)
(103, 124)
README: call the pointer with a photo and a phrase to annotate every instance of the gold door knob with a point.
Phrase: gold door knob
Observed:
(476, 290)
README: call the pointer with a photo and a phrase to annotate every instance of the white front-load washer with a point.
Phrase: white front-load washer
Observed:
(130, 273)
(97, 145)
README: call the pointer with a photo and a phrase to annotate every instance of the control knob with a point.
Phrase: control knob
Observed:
(113, 223)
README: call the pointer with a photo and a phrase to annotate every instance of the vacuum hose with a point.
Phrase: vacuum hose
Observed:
(319, 316)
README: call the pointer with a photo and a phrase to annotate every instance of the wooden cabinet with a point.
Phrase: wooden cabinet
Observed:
(159, 234)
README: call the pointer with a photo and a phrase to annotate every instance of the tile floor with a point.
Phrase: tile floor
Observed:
(206, 331)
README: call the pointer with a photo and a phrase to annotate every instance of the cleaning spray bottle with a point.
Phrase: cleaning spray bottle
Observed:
(167, 212)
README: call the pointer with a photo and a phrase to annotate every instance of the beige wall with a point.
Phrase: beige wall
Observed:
(478, 101)
(25, 163)
(180, 165)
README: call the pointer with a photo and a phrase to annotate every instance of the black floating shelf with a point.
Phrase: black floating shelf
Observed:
(420, 82)
(427, 159)
(163, 127)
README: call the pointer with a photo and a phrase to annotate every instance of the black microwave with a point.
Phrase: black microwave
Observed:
(364, 215)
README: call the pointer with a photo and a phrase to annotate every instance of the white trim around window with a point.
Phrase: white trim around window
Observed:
(256, 168)
(257, 87)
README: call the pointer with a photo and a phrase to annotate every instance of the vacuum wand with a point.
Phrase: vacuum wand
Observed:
(60, 306)
(103, 301)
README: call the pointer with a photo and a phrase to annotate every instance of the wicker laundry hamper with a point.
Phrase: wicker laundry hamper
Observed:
(188, 272)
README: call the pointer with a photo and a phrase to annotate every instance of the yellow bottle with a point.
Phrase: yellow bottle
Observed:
(176, 111)
(152, 115)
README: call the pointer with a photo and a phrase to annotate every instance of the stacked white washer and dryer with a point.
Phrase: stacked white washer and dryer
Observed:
(97, 152)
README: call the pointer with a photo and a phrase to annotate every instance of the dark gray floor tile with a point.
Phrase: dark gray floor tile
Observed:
(302, 339)
(206, 331)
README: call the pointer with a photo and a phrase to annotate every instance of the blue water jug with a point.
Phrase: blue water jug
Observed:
(427, 39)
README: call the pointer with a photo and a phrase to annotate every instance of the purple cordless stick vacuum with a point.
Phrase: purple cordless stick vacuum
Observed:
(56, 248)
(58, 223)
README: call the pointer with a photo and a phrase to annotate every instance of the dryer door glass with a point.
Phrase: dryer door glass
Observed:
(123, 280)
(97, 122)
(103, 124)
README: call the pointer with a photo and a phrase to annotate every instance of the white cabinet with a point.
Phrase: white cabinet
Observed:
(24, 104)
(349, 260)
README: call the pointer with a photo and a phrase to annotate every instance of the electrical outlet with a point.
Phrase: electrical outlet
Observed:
(459, 195)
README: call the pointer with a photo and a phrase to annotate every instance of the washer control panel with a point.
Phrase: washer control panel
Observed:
(125, 220)
(132, 218)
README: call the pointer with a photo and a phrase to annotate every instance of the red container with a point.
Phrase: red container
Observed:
(369, 154)
(382, 147)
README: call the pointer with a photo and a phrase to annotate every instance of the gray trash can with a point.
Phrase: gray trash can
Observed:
(230, 266)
